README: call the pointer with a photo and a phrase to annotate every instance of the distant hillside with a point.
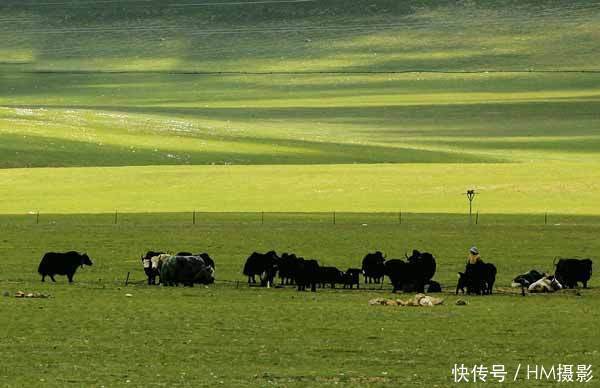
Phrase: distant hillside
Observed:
(472, 99)
(298, 35)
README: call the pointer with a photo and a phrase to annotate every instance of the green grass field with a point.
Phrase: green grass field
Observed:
(241, 336)
(157, 108)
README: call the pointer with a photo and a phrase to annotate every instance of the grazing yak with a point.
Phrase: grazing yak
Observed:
(264, 265)
(62, 264)
(351, 277)
(187, 270)
(571, 271)
(152, 264)
(413, 275)
(545, 284)
(331, 276)
(373, 267)
(478, 278)
(527, 279)
(307, 274)
(288, 264)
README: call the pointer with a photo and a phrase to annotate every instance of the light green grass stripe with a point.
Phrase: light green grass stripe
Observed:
(568, 188)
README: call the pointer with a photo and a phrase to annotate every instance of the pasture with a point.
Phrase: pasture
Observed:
(299, 109)
(255, 336)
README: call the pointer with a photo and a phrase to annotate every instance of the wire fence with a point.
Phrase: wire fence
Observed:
(281, 218)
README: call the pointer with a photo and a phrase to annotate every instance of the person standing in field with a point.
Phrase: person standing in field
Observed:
(474, 256)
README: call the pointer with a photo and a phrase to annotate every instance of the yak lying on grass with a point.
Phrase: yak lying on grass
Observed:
(205, 256)
(62, 264)
(527, 279)
(545, 284)
(187, 270)
(571, 271)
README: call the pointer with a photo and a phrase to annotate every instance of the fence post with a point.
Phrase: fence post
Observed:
(400, 217)
(194, 218)
(262, 218)
(116, 216)
(334, 217)
(127, 279)
(477, 218)
(37, 218)
(546, 218)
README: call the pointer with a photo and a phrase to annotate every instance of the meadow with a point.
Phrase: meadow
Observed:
(155, 109)
(90, 333)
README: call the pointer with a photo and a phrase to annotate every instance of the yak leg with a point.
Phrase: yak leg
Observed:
(70, 277)
(52, 277)
(43, 278)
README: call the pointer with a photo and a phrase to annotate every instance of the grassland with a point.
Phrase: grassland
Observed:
(240, 336)
(158, 108)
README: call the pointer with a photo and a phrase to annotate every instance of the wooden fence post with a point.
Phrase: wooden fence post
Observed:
(116, 216)
(334, 217)
(477, 218)
(194, 218)
(37, 218)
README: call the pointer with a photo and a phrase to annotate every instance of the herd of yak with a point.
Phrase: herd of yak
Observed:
(414, 274)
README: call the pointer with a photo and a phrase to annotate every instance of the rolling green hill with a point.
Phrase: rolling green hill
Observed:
(140, 83)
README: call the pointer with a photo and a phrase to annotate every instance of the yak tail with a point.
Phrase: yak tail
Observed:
(555, 259)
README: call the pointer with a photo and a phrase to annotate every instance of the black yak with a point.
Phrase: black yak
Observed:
(264, 265)
(307, 274)
(187, 270)
(478, 278)
(62, 264)
(373, 267)
(571, 271)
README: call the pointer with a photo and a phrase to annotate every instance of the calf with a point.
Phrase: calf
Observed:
(331, 276)
(62, 264)
(433, 286)
(352, 277)
(545, 284)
